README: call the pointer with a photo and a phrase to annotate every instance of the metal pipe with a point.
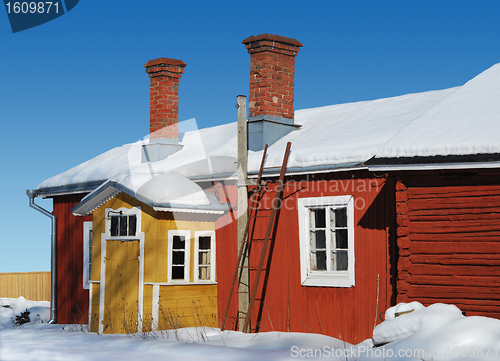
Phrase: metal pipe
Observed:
(32, 193)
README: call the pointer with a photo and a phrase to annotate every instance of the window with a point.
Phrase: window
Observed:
(326, 226)
(179, 245)
(87, 254)
(123, 223)
(204, 248)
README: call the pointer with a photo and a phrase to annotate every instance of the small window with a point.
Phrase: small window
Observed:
(326, 227)
(178, 255)
(204, 256)
(123, 225)
(87, 254)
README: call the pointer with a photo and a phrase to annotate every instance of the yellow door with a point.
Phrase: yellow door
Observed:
(121, 292)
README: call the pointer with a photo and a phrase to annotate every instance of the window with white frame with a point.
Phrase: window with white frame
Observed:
(87, 253)
(326, 228)
(204, 248)
(179, 246)
(123, 223)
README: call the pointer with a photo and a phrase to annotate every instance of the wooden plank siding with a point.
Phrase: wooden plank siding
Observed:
(449, 240)
(348, 313)
(155, 226)
(187, 306)
(72, 298)
(34, 286)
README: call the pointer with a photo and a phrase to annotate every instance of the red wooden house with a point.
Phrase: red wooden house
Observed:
(385, 201)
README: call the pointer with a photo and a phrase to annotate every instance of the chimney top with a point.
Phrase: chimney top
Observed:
(164, 61)
(272, 37)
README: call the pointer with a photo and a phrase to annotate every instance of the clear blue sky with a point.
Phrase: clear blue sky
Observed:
(75, 87)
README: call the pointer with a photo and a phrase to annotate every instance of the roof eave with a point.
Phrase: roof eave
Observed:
(75, 188)
(467, 161)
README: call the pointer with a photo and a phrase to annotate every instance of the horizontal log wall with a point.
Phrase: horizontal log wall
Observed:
(34, 286)
(449, 241)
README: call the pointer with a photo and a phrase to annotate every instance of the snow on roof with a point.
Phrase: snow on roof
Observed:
(205, 152)
(165, 192)
(347, 134)
(466, 122)
(457, 121)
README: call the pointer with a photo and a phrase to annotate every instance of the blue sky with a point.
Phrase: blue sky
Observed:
(75, 87)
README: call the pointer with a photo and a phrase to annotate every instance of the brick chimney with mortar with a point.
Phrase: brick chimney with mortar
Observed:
(164, 74)
(272, 77)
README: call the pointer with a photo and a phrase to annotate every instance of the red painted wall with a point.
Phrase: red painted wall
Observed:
(345, 313)
(449, 239)
(72, 298)
(227, 249)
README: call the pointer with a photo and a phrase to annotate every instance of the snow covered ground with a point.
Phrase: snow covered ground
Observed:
(410, 332)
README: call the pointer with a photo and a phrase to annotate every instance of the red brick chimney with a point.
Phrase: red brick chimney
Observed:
(272, 77)
(272, 72)
(164, 95)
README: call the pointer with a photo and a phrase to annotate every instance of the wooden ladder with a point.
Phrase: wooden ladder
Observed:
(248, 239)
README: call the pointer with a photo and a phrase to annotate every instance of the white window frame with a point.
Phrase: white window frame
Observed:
(197, 236)
(109, 212)
(325, 278)
(187, 255)
(87, 227)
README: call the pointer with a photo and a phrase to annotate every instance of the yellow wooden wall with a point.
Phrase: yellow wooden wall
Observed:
(155, 226)
(34, 286)
(187, 306)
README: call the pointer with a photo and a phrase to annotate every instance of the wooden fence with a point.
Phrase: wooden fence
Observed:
(34, 286)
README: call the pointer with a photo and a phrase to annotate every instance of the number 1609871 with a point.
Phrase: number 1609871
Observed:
(32, 7)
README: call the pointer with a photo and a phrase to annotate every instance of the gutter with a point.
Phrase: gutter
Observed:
(32, 193)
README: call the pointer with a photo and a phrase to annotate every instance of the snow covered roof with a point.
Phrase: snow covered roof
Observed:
(166, 192)
(460, 121)
(465, 122)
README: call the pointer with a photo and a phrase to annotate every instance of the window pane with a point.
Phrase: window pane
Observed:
(341, 238)
(204, 258)
(132, 225)
(341, 258)
(318, 239)
(318, 261)
(177, 272)
(114, 226)
(123, 226)
(318, 218)
(179, 242)
(204, 273)
(178, 257)
(204, 242)
(341, 217)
